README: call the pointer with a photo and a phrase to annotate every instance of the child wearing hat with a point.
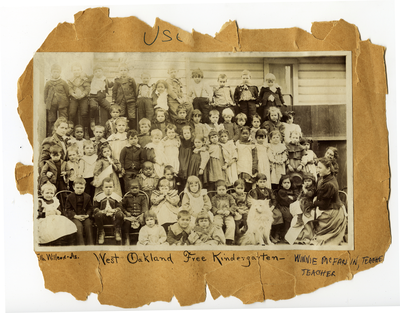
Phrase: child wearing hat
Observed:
(270, 95)
(56, 97)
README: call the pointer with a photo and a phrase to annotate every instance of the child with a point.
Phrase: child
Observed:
(247, 160)
(242, 211)
(106, 166)
(134, 205)
(222, 96)
(144, 136)
(185, 154)
(273, 123)
(79, 209)
(309, 158)
(270, 95)
(241, 120)
(99, 85)
(175, 94)
(87, 164)
(216, 167)
(72, 168)
(79, 89)
(224, 208)
(200, 130)
(148, 180)
(54, 170)
(209, 234)
(306, 197)
(131, 158)
(152, 233)
(214, 126)
(165, 203)
(160, 95)
(181, 233)
(199, 159)
(201, 94)
(231, 128)
(107, 210)
(245, 95)
(56, 97)
(154, 152)
(285, 196)
(171, 148)
(78, 139)
(255, 122)
(110, 128)
(264, 166)
(51, 224)
(124, 94)
(144, 100)
(171, 177)
(160, 121)
(69, 134)
(295, 153)
(195, 199)
(287, 121)
(118, 140)
(230, 157)
(181, 120)
(98, 138)
(277, 154)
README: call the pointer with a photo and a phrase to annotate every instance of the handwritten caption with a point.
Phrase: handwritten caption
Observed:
(166, 33)
(56, 256)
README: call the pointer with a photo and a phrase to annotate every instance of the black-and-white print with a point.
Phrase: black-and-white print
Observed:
(158, 151)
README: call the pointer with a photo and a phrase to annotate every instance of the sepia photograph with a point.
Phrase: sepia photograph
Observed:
(165, 151)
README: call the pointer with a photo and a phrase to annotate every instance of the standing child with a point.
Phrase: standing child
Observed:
(214, 118)
(118, 140)
(160, 121)
(87, 164)
(51, 224)
(124, 94)
(296, 151)
(195, 199)
(230, 127)
(98, 138)
(79, 209)
(185, 153)
(78, 139)
(144, 136)
(230, 157)
(181, 233)
(131, 159)
(107, 210)
(247, 160)
(181, 120)
(309, 158)
(165, 203)
(274, 122)
(245, 95)
(134, 206)
(54, 170)
(223, 95)
(155, 153)
(199, 159)
(264, 166)
(201, 94)
(148, 180)
(285, 196)
(72, 168)
(152, 233)
(200, 129)
(224, 208)
(144, 100)
(69, 135)
(277, 155)
(216, 167)
(270, 95)
(241, 120)
(106, 166)
(287, 121)
(255, 123)
(242, 210)
(56, 97)
(171, 144)
(79, 89)
(208, 233)
(111, 128)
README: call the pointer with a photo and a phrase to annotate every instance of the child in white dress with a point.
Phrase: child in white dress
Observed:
(171, 147)
(152, 233)
(278, 157)
(262, 154)
(230, 155)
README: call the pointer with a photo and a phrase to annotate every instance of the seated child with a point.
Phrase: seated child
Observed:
(111, 128)
(78, 139)
(79, 209)
(155, 153)
(144, 136)
(306, 197)
(148, 180)
(51, 224)
(107, 210)
(134, 205)
(160, 121)
(195, 199)
(152, 233)
(270, 95)
(131, 158)
(242, 211)
(245, 95)
(124, 94)
(98, 139)
(285, 196)
(230, 127)
(54, 170)
(171, 177)
(165, 203)
(222, 96)
(144, 101)
(224, 208)
(181, 233)
(200, 94)
(208, 233)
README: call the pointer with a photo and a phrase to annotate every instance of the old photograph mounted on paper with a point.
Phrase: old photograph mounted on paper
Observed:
(205, 151)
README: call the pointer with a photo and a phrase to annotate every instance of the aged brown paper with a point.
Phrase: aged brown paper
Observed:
(260, 275)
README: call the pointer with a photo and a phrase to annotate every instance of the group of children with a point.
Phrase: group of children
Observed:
(237, 144)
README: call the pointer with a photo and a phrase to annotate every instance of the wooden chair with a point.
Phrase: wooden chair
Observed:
(62, 197)
(343, 198)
